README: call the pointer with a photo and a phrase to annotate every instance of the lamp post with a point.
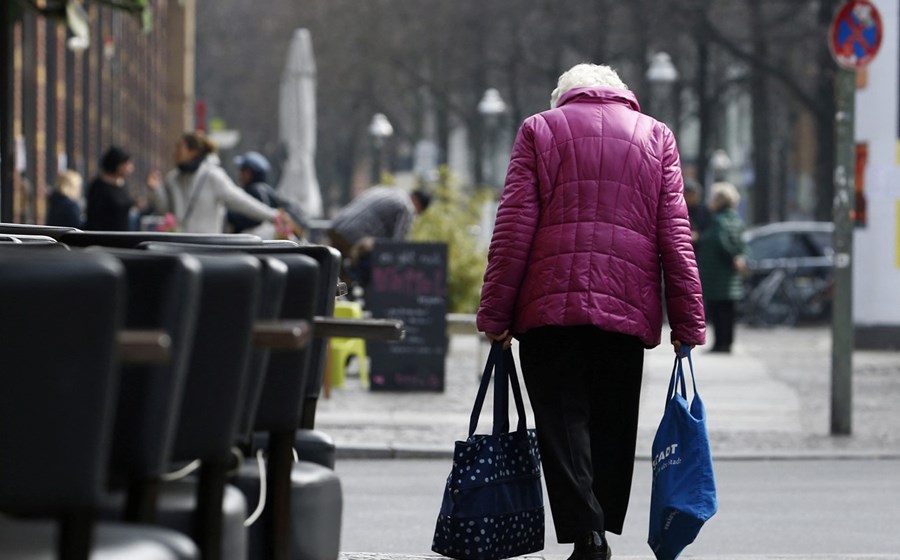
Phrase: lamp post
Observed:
(720, 165)
(380, 129)
(662, 75)
(491, 108)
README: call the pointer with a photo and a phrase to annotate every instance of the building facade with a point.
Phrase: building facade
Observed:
(876, 248)
(63, 105)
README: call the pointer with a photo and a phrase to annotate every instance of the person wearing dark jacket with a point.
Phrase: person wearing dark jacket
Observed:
(591, 220)
(722, 263)
(253, 171)
(63, 208)
(108, 201)
(698, 212)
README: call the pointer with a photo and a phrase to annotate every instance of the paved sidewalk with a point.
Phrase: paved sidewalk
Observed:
(769, 399)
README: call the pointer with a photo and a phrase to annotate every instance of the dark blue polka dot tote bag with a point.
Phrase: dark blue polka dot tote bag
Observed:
(493, 505)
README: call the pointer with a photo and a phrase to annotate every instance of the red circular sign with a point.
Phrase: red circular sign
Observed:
(855, 34)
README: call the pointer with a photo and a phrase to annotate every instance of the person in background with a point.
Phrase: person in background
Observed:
(722, 263)
(108, 201)
(698, 212)
(591, 218)
(197, 192)
(64, 202)
(253, 171)
(377, 213)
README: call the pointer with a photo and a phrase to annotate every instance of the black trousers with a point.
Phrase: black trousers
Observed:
(585, 386)
(722, 317)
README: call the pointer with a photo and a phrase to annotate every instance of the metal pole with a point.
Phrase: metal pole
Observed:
(842, 306)
(7, 139)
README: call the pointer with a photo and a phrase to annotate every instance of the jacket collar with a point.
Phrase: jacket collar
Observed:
(599, 95)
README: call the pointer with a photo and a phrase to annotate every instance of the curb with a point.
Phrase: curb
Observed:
(412, 452)
(388, 556)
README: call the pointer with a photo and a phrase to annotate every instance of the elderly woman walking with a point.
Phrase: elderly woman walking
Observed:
(591, 220)
(722, 263)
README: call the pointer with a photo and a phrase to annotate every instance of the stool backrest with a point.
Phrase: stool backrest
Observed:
(131, 239)
(219, 356)
(288, 376)
(163, 293)
(275, 275)
(329, 260)
(33, 229)
(27, 239)
(282, 398)
(60, 316)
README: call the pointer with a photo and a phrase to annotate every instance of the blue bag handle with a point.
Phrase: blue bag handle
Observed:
(503, 366)
(678, 373)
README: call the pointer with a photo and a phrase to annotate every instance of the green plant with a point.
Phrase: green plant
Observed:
(451, 219)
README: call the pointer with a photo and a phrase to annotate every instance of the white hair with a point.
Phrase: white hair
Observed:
(585, 75)
(726, 193)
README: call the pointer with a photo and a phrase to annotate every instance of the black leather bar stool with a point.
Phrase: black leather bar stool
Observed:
(303, 502)
(163, 294)
(209, 410)
(62, 314)
(204, 506)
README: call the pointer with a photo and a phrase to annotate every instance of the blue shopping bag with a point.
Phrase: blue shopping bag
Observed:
(683, 496)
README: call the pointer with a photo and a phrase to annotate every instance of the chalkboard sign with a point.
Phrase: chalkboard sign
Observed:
(409, 283)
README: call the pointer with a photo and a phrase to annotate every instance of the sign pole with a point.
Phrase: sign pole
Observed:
(842, 305)
(854, 40)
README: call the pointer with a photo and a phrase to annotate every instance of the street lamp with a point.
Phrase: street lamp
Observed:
(661, 69)
(380, 129)
(491, 108)
(720, 164)
(662, 75)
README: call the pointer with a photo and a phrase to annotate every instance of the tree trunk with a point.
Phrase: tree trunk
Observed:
(825, 162)
(704, 108)
(7, 139)
(762, 134)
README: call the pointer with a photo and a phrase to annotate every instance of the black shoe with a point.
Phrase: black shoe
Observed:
(592, 546)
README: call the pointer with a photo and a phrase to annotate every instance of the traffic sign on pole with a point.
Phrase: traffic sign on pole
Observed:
(855, 34)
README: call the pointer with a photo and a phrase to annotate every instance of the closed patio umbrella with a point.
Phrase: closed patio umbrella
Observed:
(297, 125)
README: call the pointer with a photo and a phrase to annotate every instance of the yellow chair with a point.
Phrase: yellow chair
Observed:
(342, 349)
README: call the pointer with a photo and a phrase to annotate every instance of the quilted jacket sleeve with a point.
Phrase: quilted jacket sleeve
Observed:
(684, 296)
(514, 229)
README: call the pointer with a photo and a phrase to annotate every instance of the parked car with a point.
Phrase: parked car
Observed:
(789, 273)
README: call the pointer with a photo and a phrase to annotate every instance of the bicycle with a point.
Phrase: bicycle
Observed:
(784, 296)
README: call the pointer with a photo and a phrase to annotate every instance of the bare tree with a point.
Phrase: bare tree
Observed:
(414, 58)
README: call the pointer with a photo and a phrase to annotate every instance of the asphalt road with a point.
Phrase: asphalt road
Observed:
(839, 507)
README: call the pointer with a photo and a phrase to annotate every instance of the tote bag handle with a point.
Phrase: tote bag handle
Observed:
(503, 366)
(678, 374)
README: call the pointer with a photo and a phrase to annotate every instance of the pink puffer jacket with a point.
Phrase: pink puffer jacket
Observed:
(591, 219)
